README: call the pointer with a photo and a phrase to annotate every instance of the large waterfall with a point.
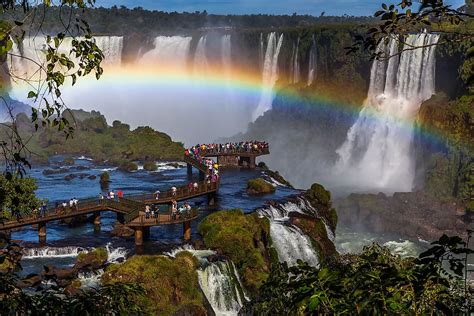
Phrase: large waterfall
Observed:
(168, 53)
(377, 154)
(269, 74)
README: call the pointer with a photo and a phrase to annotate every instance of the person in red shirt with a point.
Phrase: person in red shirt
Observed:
(120, 194)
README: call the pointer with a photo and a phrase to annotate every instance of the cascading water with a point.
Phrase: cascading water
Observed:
(377, 154)
(269, 74)
(226, 50)
(288, 240)
(312, 62)
(52, 252)
(219, 281)
(170, 52)
(112, 47)
(201, 64)
(295, 64)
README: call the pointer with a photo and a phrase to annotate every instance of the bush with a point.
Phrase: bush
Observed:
(69, 161)
(128, 166)
(242, 238)
(94, 259)
(259, 186)
(150, 166)
(104, 179)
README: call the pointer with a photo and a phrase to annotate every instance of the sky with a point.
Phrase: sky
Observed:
(312, 7)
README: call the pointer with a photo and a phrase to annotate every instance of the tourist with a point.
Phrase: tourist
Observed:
(174, 205)
(190, 187)
(173, 191)
(64, 205)
(157, 194)
(71, 203)
(43, 210)
(120, 194)
(195, 186)
(101, 198)
(57, 207)
(112, 195)
(147, 212)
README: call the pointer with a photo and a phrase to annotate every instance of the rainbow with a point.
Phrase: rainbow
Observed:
(250, 83)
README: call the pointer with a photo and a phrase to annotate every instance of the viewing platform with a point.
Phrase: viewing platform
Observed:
(130, 210)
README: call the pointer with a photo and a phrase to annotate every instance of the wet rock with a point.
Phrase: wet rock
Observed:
(69, 177)
(120, 230)
(92, 177)
(47, 172)
(62, 277)
(277, 177)
(93, 260)
(32, 280)
(75, 221)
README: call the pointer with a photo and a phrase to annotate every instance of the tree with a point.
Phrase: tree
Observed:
(401, 19)
(19, 18)
(17, 196)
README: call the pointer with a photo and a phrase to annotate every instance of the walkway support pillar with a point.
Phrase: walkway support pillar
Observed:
(121, 218)
(42, 232)
(252, 162)
(97, 221)
(138, 236)
(187, 230)
(190, 169)
(146, 233)
(211, 199)
(202, 176)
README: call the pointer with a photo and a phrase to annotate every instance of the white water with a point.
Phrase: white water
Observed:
(201, 64)
(169, 52)
(52, 252)
(295, 64)
(269, 74)
(377, 154)
(219, 281)
(312, 63)
(289, 241)
(112, 47)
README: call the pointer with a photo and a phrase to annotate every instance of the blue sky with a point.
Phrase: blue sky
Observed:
(313, 7)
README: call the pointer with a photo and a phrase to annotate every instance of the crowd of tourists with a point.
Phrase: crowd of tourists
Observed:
(228, 148)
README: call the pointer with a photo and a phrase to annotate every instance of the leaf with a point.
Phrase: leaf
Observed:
(32, 94)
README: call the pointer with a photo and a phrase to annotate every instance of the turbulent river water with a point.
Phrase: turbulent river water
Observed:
(63, 242)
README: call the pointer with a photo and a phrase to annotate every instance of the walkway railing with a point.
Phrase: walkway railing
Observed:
(163, 218)
(234, 151)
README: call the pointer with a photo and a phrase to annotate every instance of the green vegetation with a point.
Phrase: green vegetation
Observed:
(375, 282)
(95, 258)
(128, 166)
(17, 196)
(170, 285)
(320, 198)
(150, 166)
(244, 239)
(93, 137)
(259, 186)
(104, 179)
(450, 173)
(277, 176)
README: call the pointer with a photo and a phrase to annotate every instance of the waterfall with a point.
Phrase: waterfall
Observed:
(377, 154)
(221, 284)
(219, 281)
(52, 252)
(201, 64)
(226, 50)
(295, 72)
(112, 47)
(90, 279)
(288, 240)
(170, 53)
(312, 62)
(261, 60)
(269, 74)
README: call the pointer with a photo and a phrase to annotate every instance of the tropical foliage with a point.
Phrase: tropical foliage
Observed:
(375, 282)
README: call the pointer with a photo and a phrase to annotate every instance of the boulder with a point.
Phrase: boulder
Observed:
(62, 277)
(93, 260)
(32, 280)
(69, 177)
(120, 230)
